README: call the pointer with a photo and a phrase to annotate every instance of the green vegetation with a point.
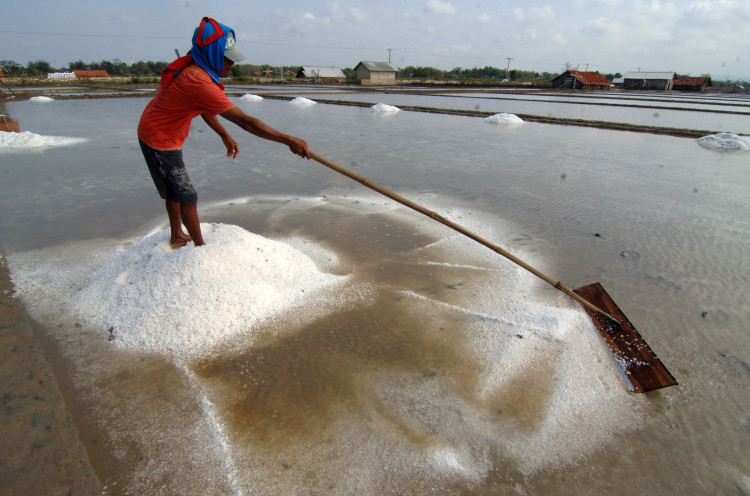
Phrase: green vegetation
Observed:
(143, 72)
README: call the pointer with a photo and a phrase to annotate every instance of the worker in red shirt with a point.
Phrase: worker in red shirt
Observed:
(190, 86)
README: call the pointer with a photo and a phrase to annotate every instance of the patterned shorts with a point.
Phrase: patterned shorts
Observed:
(169, 174)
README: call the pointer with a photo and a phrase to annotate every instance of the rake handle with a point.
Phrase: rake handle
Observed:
(429, 213)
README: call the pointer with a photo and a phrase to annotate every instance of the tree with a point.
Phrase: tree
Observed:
(11, 68)
(78, 65)
(39, 68)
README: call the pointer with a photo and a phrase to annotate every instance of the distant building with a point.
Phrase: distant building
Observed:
(375, 73)
(321, 73)
(618, 82)
(581, 80)
(648, 81)
(61, 75)
(692, 83)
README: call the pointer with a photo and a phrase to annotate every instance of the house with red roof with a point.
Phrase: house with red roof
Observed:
(581, 80)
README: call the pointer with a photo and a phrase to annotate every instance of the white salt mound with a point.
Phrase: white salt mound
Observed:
(28, 140)
(251, 98)
(184, 302)
(504, 119)
(384, 108)
(725, 142)
(303, 101)
(40, 99)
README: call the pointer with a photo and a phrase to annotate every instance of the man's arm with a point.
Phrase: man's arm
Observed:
(213, 122)
(262, 130)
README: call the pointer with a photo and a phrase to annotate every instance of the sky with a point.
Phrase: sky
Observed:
(690, 37)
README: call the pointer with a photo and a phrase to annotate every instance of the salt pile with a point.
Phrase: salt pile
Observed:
(504, 119)
(29, 141)
(301, 101)
(725, 142)
(520, 373)
(40, 99)
(384, 108)
(184, 302)
(251, 98)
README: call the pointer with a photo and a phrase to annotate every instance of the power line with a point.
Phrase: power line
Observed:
(89, 35)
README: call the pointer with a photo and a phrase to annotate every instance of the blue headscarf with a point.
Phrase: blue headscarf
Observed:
(209, 42)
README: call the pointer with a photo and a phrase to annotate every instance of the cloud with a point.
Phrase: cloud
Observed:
(585, 4)
(559, 39)
(359, 16)
(463, 48)
(544, 14)
(603, 26)
(439, 7)
(535, 14)
(719, 10)
(484, 18)
(305, 22)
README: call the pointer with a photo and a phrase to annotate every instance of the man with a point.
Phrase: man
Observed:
(190, 87)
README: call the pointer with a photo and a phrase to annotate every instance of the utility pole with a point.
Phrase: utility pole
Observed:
(587, 68)
(389, 54)
(508, 66)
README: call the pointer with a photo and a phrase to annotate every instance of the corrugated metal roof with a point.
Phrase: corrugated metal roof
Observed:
(378, 66)
(649, 75)
(323, 72)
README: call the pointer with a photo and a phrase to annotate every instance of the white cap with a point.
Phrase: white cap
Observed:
(231, 51)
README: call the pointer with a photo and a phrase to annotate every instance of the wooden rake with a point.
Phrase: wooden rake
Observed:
(639, 366)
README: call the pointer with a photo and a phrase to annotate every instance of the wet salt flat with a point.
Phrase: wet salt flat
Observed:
(332, 341)
(710, 115)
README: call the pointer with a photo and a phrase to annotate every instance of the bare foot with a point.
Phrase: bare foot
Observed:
(179, 241)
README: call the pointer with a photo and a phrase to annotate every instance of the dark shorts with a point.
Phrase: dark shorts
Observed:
(169, 175)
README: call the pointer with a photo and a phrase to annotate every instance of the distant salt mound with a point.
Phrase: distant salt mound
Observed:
(14, 142)
(301, 101)
(251, 98)
(184, 302)
(40, 99)
(384, 108)
(504, 119)
(725, 142)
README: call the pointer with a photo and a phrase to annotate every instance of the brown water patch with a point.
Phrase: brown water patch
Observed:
(524, 400)
(295, 388)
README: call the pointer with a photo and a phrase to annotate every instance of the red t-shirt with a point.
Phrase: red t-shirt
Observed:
(165, 122)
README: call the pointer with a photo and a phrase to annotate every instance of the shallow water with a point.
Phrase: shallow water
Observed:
(620, 108)
(440, 368)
